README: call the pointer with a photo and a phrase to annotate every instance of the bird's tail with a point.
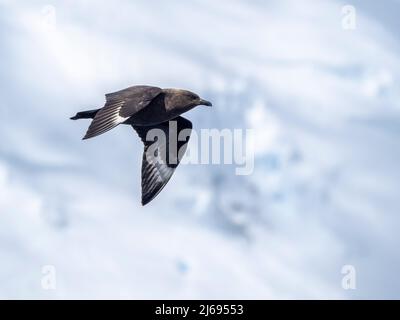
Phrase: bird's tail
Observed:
(90, 114)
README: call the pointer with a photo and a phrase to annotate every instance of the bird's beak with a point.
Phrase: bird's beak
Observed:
(205, 103)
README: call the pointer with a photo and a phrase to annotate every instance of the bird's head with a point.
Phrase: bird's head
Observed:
(184, 99)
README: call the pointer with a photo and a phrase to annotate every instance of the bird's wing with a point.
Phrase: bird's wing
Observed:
(164, 146)
(119, 107)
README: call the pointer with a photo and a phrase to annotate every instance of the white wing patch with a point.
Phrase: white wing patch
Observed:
(106, 119)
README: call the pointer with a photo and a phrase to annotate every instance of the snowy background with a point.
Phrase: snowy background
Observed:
(323, 100)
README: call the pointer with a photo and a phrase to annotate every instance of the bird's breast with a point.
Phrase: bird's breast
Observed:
(153, 114)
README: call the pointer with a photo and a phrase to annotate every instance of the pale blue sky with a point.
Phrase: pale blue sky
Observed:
(323, 101)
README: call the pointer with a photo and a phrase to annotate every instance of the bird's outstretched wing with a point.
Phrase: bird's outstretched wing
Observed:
(164, 146)
(120, 106)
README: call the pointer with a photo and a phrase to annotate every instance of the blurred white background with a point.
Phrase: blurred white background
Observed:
(323, 100)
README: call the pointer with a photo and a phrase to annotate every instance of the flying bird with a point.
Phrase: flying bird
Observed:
(146, 108)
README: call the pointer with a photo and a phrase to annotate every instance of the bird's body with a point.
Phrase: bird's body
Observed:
(146, 108)
(159, 110)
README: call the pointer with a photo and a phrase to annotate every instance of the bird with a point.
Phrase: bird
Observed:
(148, 108)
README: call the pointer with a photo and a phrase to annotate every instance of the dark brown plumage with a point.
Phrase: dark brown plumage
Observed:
(146, 108)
